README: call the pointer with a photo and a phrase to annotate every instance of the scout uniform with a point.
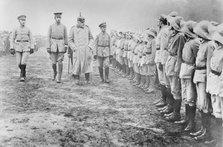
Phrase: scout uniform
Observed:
(172, 66)
(103, 52)
(125, 55)
(188, 90)
(200, 78)
(150, 61)
(22, 45)
(81, 42)
(57, 46)
(131, 47)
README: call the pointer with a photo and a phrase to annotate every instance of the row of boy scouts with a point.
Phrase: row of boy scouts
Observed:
(186, 56)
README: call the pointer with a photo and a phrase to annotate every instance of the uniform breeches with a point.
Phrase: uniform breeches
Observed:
(57, 57)
(22, 57)
(162, 76)
(203, 99)
(188, 91)
(103, 62)
(175, 86)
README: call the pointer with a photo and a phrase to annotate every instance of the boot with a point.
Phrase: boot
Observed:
(24, 74)
(151, 87)
(106, 75)
(77, 80)
(186, 117)
(220, 138)
(100, 69)
(60, 70)
(176, 111)
(54, 66)
(137, 82)
(123, 70)
(20, 67)
(191, 115)
(142, 82)
(22, 78)
(163, 97)
(87, 78)
(200, 131)
(127, 71)
(168, 109)
(206, 133)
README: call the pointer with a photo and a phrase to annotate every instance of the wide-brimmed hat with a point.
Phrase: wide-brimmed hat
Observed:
(188, 28)
(102, 24)
(152, 32)
(170, 15)
(217, 34)
(175, 22)
(204, 29)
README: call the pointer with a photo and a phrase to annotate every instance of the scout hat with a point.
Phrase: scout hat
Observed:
(103, 24)
(217, 35)
(188, 28)
(203, 29)
(21, 17)
(175, 22)
(170, 15)
(152, 32)
(81, 19)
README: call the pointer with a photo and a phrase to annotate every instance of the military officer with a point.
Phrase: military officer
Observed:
(22, 45)
(57, 44)
(103, 52)
(81, 42)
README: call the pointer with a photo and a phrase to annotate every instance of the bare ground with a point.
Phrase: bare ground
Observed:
(40, 112)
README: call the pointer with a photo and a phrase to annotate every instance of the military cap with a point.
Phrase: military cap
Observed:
(81, 18)
(57, 13)
(21, 17)
(103, 24)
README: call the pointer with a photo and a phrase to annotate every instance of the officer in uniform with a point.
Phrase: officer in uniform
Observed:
(57, 44)
(22, 45)
(82, 44)
(103, 52)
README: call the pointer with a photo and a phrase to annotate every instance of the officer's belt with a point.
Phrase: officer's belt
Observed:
(103, 46)
(57, 38)
(22, 40)
(148, 53)
(191, 64)
(216, 72)
(200, 68)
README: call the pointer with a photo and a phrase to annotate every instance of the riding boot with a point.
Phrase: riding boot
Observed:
(106, 75)
(100, 69)
(54, 66)
(60, 70)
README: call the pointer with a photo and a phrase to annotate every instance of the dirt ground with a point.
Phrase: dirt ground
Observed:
(41, 112)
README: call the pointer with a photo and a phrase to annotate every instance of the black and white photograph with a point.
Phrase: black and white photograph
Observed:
(111, 73)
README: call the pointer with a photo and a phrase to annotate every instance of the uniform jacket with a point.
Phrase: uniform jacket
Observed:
(57, 38)
(22, 39)
(103, 42)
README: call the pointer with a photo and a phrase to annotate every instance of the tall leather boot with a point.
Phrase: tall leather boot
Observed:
(175, 116)
(123, 70)
(186, 117)
(197, 133)
(24, 74)
(137, 79)
(106, 75)
(191, 115)
(127, 70)
(22, 78)
(151, 87)
(100, 69)
(206, 133)
(142, 81)
(60, 70)
(147, 82)
(20, 70)
(54, 66)
(87, 78)
(162, 102)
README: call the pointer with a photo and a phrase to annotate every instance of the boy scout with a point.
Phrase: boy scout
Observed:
(22, 45)
(103, 52)
(173, 64)
(188, 90)
(57, 45)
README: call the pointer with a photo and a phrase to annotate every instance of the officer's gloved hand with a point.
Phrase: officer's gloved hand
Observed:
(49, 50)
(160, 67)
(31, 51)
(95, 57)
(12, 51)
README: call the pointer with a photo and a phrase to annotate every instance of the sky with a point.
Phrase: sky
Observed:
(121, 15)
